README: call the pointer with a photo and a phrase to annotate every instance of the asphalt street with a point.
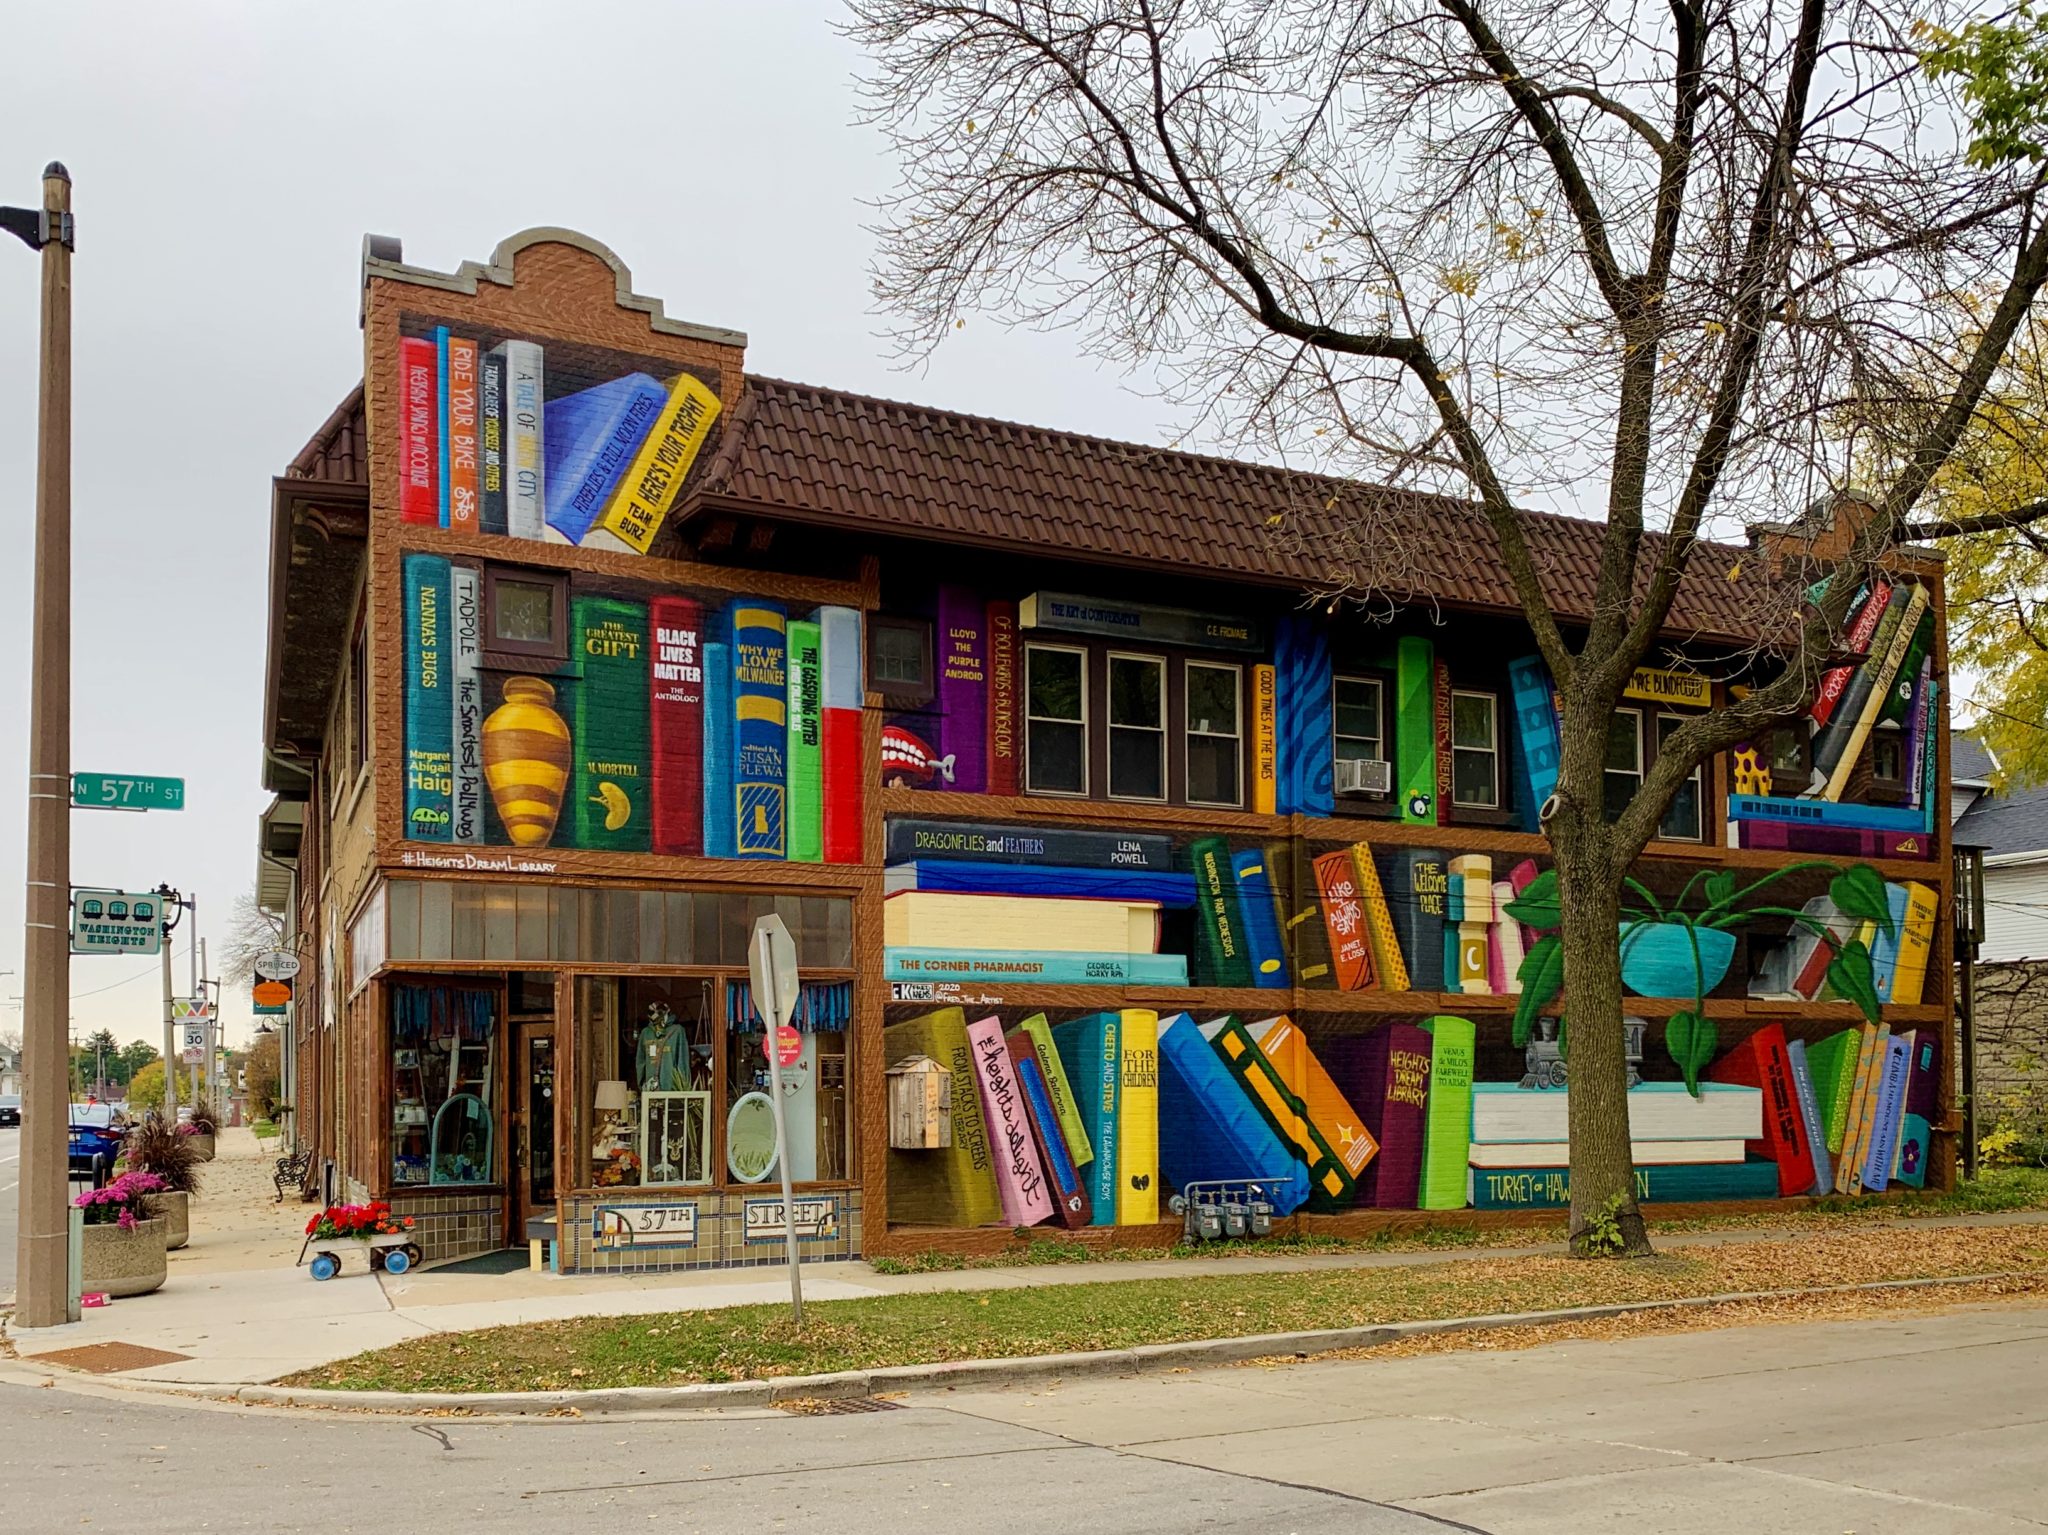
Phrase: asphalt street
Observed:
(1901, 1425)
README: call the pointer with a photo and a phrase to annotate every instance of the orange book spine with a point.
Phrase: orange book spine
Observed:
(1387, 960)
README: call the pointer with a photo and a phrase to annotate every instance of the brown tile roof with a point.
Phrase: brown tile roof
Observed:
(827, 456)
(339, 451)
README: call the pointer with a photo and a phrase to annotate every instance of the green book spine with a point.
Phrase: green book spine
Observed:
(1415, 733)
(1832, 1064)
(806, 773)
(612, 784)
(1219, 924)
(1059, 1089)
(1447, 1123)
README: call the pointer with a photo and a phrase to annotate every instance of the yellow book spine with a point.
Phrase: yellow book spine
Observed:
(1265, 741)
(1387, 961)
(1137, 1121)
(1852, 1136)
(637, 508)
(1916, 944)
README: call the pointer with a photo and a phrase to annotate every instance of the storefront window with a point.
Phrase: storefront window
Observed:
(443, 1077)
(647, 1046)
(814, 1098)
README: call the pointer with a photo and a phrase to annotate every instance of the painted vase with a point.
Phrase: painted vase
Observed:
(1657, 958)
(526, 761)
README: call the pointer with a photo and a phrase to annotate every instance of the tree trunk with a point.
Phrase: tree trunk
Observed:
(1604, 1218)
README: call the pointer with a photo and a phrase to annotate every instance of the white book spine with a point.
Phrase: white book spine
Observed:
(469, 705)
(525, 442)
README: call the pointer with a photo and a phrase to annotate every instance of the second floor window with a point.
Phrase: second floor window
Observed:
(1137, 727)
(1358, 730)
(1055, 720)
(900, 660)
(1624, 763)
(1215, 747)
(1475, 750)
(1685, 817)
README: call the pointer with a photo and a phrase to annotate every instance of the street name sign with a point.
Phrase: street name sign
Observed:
(126, 791)
(116, 922)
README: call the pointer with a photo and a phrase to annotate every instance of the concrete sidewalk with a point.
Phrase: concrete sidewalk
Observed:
(239, 1313)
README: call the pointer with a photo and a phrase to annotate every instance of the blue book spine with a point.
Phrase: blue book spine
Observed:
(1884, 947)
(1261, 922)
(429, 700)
(760, 732)
(1809, 1115)
(1536, 727)
(719, 827)
(1884, 1127)
(441, 410)
(1066, 1178)
(1174, 890)
(1091, 1050)
(1304, 749)
(591, 439)
(1820, 812)
(1034, 967)
(1930, 743)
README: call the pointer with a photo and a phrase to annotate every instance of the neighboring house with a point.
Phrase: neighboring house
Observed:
(10, 1069)
(2011, 826)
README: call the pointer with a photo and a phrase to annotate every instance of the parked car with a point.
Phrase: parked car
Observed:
(95, 1141)
(10, 1109)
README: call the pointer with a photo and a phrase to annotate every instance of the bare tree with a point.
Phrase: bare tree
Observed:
(251, 931)
(1675, 266)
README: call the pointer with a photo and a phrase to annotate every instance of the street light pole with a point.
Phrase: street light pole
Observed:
(43, 1273)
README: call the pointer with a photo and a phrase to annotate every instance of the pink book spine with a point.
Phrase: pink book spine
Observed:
(1020, 1176)
(1521, 877)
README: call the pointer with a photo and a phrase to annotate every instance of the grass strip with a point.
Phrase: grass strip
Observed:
(1998, 1190)
(760, 1342)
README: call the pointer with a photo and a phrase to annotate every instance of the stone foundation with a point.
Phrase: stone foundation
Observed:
(453, 1222)
(653, 1231)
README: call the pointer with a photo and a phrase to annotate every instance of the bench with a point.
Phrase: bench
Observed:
(291, 1172)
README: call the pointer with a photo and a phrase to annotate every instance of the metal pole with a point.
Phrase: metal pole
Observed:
(1969, 1032)
(796, 1285)
(44, 1261)
(170, 1031)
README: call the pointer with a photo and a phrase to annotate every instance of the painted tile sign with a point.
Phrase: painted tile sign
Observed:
(614, 1227)
(817, 1219)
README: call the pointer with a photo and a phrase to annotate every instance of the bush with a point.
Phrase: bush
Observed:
(155, 1146)
(204, 1118)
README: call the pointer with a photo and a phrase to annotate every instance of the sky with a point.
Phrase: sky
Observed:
(227, 160)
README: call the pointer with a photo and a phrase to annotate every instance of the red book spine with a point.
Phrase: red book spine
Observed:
(839, 766)
(1762, 1061)
(462, 436)
(1836, 681)
(1344, 917)
(419, 466)
(675, 715)
(1002, 698)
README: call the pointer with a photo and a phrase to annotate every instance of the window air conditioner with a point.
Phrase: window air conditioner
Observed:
(1368, 775)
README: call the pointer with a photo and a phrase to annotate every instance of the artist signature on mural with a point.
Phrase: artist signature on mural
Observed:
(414, 858)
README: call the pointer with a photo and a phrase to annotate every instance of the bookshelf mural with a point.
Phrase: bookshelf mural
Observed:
(552, 442)
(1100, 1117)
(562, 710)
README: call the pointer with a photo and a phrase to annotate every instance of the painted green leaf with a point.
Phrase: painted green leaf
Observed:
(1691, 1041)
(1537, 905)
(1858, 893)
(1541, 975)
(1852, 977)
(1720, 887)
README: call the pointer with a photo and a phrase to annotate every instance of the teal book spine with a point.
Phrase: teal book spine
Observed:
(1091, 1050)
(1550, 1188)
(718, 803)
(429, 701)
(806, 744)
(1033, 967)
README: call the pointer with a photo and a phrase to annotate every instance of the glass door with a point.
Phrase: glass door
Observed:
(533, 1126)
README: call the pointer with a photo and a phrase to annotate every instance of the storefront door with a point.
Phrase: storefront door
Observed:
(533, 1126)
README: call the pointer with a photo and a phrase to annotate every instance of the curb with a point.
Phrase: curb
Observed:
(1139, 1359)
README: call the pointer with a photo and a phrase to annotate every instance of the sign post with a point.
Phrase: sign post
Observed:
(771, 965)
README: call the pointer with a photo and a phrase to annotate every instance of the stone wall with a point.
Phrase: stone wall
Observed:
(701, 1230)
(453, 1222)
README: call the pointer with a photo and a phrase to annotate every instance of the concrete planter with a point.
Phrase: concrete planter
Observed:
(175, 1210)
(202, 1146)
(124, 1262)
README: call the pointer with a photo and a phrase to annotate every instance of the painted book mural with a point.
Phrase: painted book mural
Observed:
(544, 710)
(550, 441)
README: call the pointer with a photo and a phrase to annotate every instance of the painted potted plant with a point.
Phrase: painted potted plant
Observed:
(153, 1146)
(1669, 950)
(124, 1237)
(200, 1128)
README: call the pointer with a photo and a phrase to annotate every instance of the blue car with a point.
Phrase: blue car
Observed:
(95, 1142)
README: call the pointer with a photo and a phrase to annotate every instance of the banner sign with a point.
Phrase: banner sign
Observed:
(1661, 687)
(1139, 622)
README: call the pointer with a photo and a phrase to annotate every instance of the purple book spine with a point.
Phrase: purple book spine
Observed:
(1843, 841)
(962, 657)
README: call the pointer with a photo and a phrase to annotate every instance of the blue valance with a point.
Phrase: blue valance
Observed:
(822, 1007)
